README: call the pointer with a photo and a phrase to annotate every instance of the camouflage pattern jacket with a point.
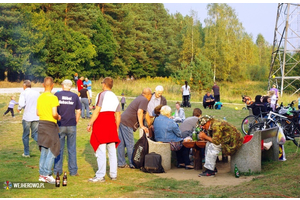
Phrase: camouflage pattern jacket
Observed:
(227, 135)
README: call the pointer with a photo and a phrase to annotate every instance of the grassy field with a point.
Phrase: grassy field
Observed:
(277, 179)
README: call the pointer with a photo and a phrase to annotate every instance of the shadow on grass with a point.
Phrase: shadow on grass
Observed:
(89, 156)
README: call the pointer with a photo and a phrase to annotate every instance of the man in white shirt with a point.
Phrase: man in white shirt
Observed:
(156, 99)
(28, 101)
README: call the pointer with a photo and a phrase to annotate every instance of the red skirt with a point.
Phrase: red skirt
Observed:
(104, 130)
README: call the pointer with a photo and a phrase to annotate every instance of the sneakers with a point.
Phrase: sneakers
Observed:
(207, 173)
(132, 166)
(95, 179)
(50, 179)
(25, 156)
(113, 178)
(42, 178)
(215, 171)
(47, 179)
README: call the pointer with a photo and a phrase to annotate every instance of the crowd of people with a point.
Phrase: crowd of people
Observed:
(52, 120)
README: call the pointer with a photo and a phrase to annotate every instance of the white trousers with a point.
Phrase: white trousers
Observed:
(101, 160)
(211, 153)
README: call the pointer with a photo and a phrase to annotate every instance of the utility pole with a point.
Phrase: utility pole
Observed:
(286, 45)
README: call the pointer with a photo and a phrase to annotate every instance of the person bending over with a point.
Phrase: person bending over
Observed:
(219, 134)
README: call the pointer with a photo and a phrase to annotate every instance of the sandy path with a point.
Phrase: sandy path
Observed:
(222, 178)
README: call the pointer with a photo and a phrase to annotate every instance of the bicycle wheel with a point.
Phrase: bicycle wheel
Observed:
(257, 127)
(248, 122)
(296, 136)
(287, 126)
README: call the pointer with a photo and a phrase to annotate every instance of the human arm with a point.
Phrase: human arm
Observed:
(93, 118)
(78, 112)
(22, 102)
(140, 114)
(88, 95)
(118, 119)
(175, 129)
(148, 119)
(203, 136)
(55, 114)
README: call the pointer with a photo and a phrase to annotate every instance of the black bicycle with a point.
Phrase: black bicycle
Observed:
(289, 124)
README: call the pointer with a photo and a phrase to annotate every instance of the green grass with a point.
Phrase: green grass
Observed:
(277, 179)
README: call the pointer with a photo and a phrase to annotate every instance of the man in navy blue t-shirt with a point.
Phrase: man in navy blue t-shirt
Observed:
(68, 103)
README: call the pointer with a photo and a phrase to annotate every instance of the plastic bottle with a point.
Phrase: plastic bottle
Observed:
(194, 135)
(224, 118)
(236, 171)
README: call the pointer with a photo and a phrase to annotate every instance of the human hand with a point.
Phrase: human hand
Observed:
(89, 128)
(202, 136)
(145, 129)
(59, 118)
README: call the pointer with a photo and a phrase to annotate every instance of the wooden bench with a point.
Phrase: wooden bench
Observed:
(249, 156)
(160, 148)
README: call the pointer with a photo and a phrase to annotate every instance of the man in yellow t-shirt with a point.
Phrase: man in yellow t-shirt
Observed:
(48, 138)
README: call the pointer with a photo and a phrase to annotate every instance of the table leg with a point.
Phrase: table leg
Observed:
(197, 158)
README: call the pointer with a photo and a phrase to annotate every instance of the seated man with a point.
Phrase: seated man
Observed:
(179, 114)
(190, 123)
(208, 100)
(219, 134)
(166, 130)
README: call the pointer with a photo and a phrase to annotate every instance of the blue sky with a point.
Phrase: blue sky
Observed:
(255, 17)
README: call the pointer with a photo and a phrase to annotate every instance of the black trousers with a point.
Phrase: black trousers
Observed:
(183, 156)
(185, 100)
(217, 98)
(209, 104)
(10, 110)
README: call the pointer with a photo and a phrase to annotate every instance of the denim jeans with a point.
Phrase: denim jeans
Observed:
(26, 131)
(85, 106)
(46, 161)
(127, 140)
(68, 132)
(101, 160)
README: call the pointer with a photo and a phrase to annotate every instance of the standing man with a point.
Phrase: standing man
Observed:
(131, 119)
(105, 122)
(48, 138)
(156, 99)
(88, 83)
(216, 91)
(69, 103)
(27, 101)
(219, 134)
(80, 83)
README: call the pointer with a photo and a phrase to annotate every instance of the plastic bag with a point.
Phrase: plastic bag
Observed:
(280, 136)
(281, 153)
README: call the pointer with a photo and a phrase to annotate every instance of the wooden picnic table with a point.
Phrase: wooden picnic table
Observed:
(196, 145)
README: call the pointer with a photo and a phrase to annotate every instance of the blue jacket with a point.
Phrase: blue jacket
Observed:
(166, 130)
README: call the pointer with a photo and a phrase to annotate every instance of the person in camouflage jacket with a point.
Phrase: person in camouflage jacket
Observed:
(220, 136)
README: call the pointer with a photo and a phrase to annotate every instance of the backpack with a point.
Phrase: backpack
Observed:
(153, 163)
(141, 148)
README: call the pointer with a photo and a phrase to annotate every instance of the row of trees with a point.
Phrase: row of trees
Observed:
(121, 40)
